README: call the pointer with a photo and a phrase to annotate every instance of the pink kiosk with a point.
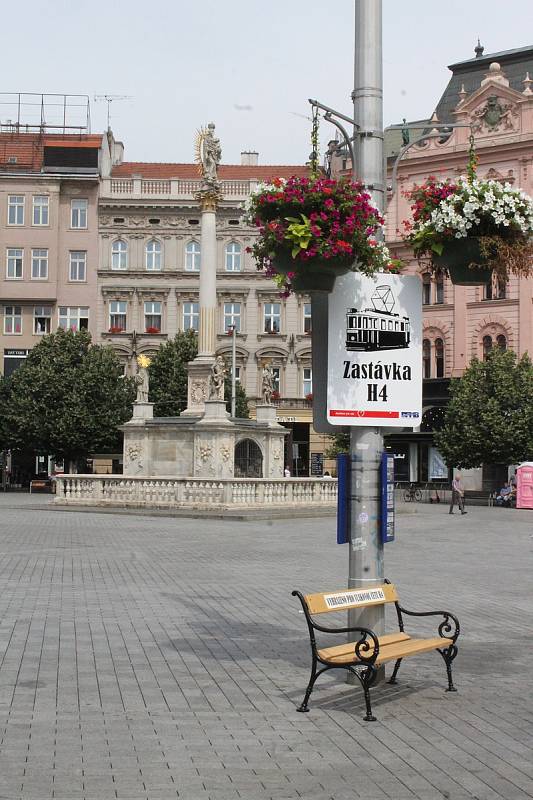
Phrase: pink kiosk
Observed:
(524, 485)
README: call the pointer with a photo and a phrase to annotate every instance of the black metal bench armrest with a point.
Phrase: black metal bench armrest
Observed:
(367, 646)
(449, 628)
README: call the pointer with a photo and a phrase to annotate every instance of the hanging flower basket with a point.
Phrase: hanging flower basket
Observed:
(312, 230)
(464, 262)
(471, 228)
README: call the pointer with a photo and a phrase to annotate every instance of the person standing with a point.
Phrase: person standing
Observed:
(458, 495)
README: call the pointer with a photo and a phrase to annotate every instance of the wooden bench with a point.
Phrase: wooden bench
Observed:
(365, 654)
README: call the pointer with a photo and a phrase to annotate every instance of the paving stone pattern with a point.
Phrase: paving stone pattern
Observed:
(160, 658)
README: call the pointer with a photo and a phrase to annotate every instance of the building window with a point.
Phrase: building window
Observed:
(232, 316)
(487, 346)
(307, 317)
(39, 265)
(495, 289)
(14, 264)
(13, 319)
(501, 341)
(439, 358)
(42, 320)
(119, 255)
(272, 317)
(439, 288)
(276, 382)
(192, 257)
(237, 374)
(152, 317)
(501, 289)
(78, 265)
(426, 288)
(307, 381)
(78, 213)
(233, 257)
(40, 209)
(73, 318)
(153, 255)
(15, 209)
(117, 316)
(191, 316)
(426, 358)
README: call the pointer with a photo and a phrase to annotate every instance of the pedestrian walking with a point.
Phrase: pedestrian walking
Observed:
(458, 495)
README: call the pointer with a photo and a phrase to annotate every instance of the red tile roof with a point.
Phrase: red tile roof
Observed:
(27, 148)
(190, 171)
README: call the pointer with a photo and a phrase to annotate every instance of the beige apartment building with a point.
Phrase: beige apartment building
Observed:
(148, 284)
(49, 187)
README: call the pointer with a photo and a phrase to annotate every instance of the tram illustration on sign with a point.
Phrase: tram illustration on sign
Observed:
(377, 328)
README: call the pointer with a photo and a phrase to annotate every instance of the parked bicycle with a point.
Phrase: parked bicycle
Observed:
(412, 494)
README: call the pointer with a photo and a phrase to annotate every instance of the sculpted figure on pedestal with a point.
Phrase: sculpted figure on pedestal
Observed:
(142, 379)
(216, 379)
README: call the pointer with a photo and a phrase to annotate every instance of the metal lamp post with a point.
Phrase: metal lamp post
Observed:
(365, 148)
(233, 330)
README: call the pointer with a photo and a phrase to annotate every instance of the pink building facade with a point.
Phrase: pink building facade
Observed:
(49, 185)
(463, 322)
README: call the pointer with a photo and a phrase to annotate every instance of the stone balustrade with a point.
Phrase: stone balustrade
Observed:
(161, 492)
(171, 188)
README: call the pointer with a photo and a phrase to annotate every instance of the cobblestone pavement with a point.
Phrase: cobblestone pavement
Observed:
(154, 658)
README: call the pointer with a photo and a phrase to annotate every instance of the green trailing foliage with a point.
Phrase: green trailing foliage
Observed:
(67, 399)
(489, 419)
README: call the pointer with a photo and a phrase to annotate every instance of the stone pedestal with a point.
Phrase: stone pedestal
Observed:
(198, 372)
(215, 411)
(266, 414)
(143, 410)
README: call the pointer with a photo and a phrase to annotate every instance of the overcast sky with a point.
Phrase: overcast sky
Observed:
(247, 65)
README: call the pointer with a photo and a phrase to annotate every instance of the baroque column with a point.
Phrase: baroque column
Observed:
(208, 154)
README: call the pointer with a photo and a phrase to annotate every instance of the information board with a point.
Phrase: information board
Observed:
(375, 351)
(317, 464)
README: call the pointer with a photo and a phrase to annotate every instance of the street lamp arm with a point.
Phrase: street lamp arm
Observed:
(432, 134)
(329, 113)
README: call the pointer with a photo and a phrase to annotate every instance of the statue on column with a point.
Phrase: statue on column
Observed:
(267, 384)
(142, 379)
(216, 379)
(208, 154)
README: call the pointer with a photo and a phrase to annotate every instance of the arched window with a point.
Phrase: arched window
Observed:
(501, 341)
(426, 358)
(439, 358)
(487, 346)
(426, 288)
(119, 255)
(192, 256)
(439, 288)
(233, 257)
(153, 255)
(248, 459)
(501, 289)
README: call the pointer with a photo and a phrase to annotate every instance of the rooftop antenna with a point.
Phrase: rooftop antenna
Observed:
(110, 98)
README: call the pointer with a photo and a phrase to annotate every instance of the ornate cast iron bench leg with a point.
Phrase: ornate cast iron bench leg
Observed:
(312, 679)
(366, 679)
(392, 678)
(448, 656)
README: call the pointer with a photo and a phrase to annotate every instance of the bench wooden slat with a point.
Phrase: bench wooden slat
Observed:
(325, 602)
(388, 652)
(347, 649)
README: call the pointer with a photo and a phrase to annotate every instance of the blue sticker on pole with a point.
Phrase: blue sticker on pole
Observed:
(343, 498)
(387, 498)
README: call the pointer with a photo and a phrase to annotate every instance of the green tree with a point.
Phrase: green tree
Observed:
(241, 401)
(168, 378)
(489, 418)
(68, 398)
(168, 374)
(340, 443)
(4, 404)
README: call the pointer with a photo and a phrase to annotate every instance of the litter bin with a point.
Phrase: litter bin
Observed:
(524, 485)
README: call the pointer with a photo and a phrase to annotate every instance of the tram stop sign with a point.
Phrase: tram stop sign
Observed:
(375, 351)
